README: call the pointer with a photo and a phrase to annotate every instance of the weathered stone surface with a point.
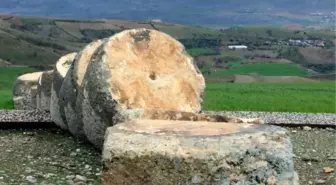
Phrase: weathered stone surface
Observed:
(24, 96)
(138, 69)
(44, 91)
(188, 152)
(155, 114)
(60, 71)
(33, 95)
(160, 114)
(71, 92)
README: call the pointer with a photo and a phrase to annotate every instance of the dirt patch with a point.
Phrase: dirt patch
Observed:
(46, 157)
(293, 27)
(316, 55)
(259, 78)
(255, 53)
(314, 150)
(126, 24)
(12, 19)
(272, 60)
(4, 63)
(97, 26)
(324, 77)
(52, 156)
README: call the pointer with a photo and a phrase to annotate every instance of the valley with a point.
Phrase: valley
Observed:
(272, 54)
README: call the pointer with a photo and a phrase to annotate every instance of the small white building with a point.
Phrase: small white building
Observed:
(237, 47)
(156, 20)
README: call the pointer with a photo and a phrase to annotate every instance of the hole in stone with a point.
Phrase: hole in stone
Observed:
(152, 76)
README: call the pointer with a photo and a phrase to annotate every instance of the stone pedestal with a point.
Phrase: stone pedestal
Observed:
(160, 152)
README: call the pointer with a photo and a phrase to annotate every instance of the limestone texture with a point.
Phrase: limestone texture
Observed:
(44, 91)
(138, 69)
(165, 152)
(71, 92)
(24, 91)
(59, 73)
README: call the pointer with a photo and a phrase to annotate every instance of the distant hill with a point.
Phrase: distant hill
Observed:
(195, 12)
(39, 42)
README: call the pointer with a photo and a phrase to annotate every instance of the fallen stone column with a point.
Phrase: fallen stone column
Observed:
(166, 152)
(138, 69)
(71, 93)
(33, 95)
(44, 91)
(60, 71)
(23, 97)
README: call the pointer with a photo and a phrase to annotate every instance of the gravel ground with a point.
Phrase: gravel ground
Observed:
(53, 157)
(24, 116)
(285, 117)
(269, 117)
(314, 150)
(46, 157)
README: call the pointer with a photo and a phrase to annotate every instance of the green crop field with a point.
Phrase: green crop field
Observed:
(265, 69)
(201, 51)
(8, 76)
(271, 97)
(287, 97)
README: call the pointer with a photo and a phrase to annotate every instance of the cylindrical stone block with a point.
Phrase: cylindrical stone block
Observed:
(185, 152)
(22, 91)
(59, 73)
(44, 91)
(71, 93)
(138, 69)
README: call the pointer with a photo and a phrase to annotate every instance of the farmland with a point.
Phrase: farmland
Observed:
(265, 69)
(36, 43)
(40, 41)
(8, 76)
(272, 97)
(312, 97)
(201, 51)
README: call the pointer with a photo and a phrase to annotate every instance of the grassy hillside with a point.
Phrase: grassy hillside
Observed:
(40, 41)
(35, 43)
(18, 51)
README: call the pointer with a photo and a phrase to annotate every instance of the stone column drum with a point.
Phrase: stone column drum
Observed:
(138, 69)
(24, 95)
(60, 71)
(164, 152)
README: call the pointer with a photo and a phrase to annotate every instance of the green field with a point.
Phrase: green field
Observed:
(271, 97)
(8, 76)
(274, 97)
(264, 69)
(201, 51)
